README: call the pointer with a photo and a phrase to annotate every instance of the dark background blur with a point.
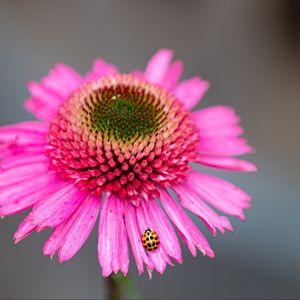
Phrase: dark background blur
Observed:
(250, 52)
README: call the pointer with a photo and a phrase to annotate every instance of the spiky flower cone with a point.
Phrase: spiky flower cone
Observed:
(124, 135)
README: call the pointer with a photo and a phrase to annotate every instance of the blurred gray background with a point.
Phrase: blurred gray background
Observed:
(250, 52)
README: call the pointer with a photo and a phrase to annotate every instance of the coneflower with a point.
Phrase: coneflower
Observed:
(116, 145)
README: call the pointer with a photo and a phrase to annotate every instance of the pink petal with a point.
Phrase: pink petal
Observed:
(24, 133)
(22, 137)
(101, 68)
(170, 78)
(20, 159)
(187, 229)
(20, 143)
(15, 192)
(193, 203)
(173, 75)
(17, 206)
(219, 132)
(162, 226)
(137, 73)
(223, 146)
(46, 96)
(75, 231)
(53, 90)
(52, 211)
(39, 109)
(23, 127)
(27, 195)
(158, 66)
(56, 240)
(84, 221)
(219, 193)
(215, 116)
(225, 163)
(25, 228)
(113, 245)
(134, 235)
(159, 257)
(9, 150)
(190, 92)
(62, 80)
(17, 174)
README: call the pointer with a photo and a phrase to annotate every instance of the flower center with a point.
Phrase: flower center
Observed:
(119, 117)
(122, 112)
(121, 134)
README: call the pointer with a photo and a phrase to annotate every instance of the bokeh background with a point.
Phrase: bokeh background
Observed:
(250, 52)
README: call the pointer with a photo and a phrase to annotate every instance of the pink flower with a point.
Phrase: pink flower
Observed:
(129, 139)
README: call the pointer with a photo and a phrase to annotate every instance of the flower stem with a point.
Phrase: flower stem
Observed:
(117, 284)
(113, 289)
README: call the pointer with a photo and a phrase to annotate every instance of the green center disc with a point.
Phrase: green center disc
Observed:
(123, 113)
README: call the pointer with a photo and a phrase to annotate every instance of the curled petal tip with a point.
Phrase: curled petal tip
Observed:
(230, 228)
(251, 149)
(150, 272)
(242, 217)
(171, 264)
(210, 254)
(254, 168)
(60, 259)
(251, 167)
(106, 274)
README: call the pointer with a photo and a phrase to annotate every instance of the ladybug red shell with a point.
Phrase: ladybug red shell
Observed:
(150, 239)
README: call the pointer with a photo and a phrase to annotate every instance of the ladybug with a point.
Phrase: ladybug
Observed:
(150, 239)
